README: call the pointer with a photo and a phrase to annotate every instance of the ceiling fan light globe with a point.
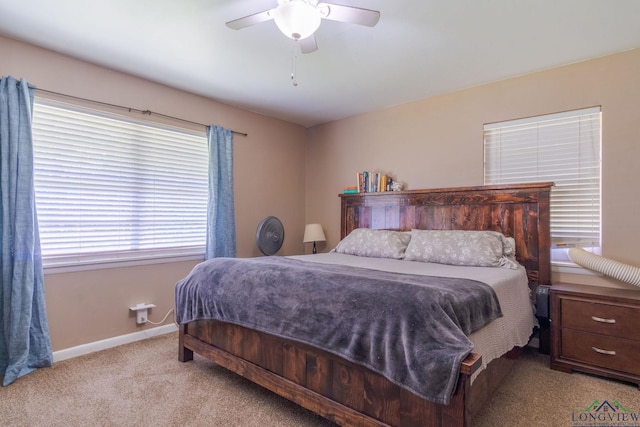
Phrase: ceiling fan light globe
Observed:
(297, 19)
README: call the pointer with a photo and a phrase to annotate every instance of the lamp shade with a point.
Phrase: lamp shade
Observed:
(297, 19)
(313, 233)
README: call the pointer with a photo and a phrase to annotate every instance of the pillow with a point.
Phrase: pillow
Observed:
(508, 246)
(374, 243)
(460, 247)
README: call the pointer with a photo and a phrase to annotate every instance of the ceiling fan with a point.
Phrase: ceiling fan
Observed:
(299, 19)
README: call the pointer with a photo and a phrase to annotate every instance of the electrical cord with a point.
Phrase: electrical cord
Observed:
(165, 318)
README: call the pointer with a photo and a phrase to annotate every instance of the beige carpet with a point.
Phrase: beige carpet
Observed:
(143, 384)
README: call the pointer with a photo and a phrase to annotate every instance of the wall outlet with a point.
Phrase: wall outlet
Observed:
(141, 312)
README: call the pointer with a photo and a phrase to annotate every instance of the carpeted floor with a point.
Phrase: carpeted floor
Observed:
(143, 384)
(535, 395)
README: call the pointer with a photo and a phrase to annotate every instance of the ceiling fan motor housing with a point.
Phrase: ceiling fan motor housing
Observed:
(297, 19)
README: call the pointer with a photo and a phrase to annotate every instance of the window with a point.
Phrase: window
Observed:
(563, 148)
(111, 189)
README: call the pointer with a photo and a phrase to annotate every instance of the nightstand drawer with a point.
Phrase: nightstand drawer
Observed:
(607, 319)
(600, 350)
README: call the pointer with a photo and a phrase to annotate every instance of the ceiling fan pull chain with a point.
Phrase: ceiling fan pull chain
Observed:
(294, 60)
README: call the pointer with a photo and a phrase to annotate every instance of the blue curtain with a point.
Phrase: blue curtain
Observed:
(24, 334)
(221, 222)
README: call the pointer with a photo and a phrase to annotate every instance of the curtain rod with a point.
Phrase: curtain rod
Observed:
(147, 112)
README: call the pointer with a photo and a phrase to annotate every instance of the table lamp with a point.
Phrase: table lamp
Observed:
(313, 233)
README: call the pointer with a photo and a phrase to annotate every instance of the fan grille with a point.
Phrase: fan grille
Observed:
(270, 235)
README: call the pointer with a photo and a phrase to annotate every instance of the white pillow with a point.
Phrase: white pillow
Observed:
(508, 246)
(375, 243)
(461, 247)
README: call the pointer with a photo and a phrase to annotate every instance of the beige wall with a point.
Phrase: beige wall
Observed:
(437, 142)
(88, 306)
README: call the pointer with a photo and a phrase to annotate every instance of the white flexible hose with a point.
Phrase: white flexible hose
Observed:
(624, 272)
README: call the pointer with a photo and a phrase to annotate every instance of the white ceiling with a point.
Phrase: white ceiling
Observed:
(419, 48)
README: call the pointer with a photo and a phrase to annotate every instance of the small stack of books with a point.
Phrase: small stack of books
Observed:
(351, 189)
(373, 182)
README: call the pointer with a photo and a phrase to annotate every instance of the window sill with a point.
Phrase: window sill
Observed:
(70, 267)
(571, 268)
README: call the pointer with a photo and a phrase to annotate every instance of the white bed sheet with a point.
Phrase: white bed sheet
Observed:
(511, 287)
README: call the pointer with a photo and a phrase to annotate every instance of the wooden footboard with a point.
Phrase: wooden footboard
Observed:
(334, 388)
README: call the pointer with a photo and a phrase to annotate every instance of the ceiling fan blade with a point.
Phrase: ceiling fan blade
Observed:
(354, 15)
(249, 20)
(308, 45)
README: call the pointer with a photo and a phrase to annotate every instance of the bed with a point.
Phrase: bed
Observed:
(349, 392)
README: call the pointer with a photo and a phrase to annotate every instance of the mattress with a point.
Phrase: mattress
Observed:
(513, 329)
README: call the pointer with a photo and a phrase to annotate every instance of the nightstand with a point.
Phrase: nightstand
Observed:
(596, 330)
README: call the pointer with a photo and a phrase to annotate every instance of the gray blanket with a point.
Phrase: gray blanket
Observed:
(412, 329)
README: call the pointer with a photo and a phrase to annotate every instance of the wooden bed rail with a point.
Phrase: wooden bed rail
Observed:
(319, 381)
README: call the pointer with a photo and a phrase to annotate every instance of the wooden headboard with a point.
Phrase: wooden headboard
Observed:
(520, 211)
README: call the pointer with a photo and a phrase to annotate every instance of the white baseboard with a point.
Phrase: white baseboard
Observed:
(80, 350)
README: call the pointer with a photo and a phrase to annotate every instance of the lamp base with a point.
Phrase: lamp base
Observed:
(315, 251)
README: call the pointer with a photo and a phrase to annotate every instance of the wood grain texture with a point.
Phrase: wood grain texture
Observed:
(337, 389)
(520, 211)
(350, 394)
(595, 330)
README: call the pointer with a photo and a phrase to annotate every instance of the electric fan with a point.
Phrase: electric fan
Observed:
(270, 235)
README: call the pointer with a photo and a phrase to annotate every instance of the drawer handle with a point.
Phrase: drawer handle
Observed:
(602, 320)
(601, 351)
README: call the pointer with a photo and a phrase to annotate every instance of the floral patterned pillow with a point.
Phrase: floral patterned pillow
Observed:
(508, 246)
(375, 243)
(459, 247)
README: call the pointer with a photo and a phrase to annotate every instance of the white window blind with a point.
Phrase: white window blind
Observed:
(563, 148)
(113, 189)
